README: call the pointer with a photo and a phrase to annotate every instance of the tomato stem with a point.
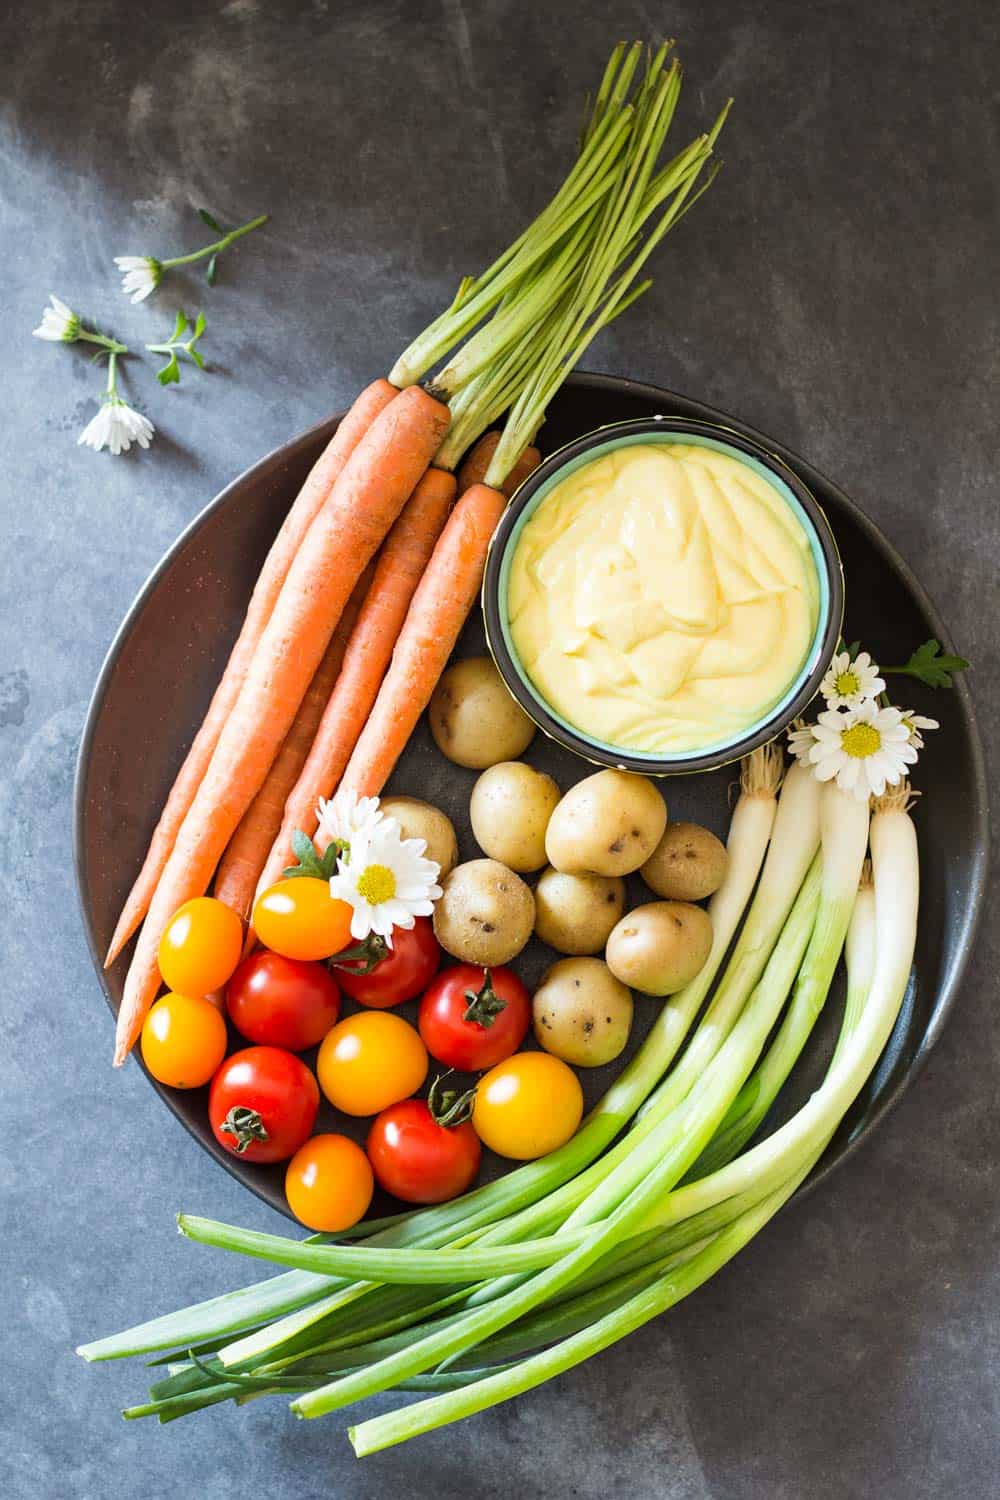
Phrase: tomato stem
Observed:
(485, 1006)
(450, 1107)
(246, 1125)
(363, 957)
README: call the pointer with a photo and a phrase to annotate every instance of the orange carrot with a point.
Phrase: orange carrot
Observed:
(477, 461)
(372, 489)
(236, 878)
(447, 592)
(313, 493)
(400, 566)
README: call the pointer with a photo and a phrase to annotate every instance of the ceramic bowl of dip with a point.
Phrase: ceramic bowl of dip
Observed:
(663, 551)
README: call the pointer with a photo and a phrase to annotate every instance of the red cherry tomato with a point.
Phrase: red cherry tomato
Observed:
(406, 970)
(262, 1104)
(472, 1018)
(283, 1002)
(418, 1160)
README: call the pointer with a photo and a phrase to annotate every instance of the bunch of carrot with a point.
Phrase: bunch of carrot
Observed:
(366, 588)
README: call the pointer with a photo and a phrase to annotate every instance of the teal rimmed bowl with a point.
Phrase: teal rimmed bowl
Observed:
(584, 450)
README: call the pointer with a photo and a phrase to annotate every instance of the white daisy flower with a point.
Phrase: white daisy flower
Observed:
(865, 749)
(59, 325)
(343, 816)
(386, 880)
(915, 723)
(141, 275)
(801, 740)
(848, 684)
(116, 427)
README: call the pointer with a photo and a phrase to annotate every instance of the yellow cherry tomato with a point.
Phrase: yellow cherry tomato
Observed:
(527, 1106)
(183, 1040)
(370, 1061)
(329, 1183)
(201, 946)
(300, 919)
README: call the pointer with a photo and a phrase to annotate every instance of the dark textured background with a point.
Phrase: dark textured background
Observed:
(838, 289)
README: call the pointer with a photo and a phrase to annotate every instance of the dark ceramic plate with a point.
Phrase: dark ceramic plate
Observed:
(167, 656)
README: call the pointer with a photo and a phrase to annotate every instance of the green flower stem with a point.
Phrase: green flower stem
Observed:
(218, 246)
(112, 345)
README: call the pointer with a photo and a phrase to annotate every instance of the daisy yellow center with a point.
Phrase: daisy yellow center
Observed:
(861, 740)
(376, 884)
(847, 684)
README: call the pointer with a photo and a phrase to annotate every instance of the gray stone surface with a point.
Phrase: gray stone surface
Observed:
(839, 290)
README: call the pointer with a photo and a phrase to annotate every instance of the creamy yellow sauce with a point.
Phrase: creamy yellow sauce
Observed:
(663, 597)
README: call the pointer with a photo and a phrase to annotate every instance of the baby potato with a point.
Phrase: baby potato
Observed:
(485, 913)
(608, 824)
(582, 1013)
(474, 720)
(659, 948)
(688, 863)
(419, 820)
(575, 913)
(510, 810)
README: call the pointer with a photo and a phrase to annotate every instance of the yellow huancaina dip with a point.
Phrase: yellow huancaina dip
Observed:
(663, 597)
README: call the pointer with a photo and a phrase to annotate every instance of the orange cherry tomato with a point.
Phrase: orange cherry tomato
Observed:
(329, 1183)
(300, 919)
(527, 1106)
(183, 1041)
(201, 946)
(370, 1061)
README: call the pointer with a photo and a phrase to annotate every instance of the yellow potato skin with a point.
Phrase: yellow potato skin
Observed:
(607, 824)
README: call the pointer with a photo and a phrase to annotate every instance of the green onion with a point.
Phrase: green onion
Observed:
(400, 1425)
(895, 868)
(844, 839)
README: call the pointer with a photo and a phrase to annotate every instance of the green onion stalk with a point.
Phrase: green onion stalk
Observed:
(895, 871)
(844, 839)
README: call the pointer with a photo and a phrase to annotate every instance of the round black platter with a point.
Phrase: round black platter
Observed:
(164, 663)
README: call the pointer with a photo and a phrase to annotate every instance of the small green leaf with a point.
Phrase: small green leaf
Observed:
(171, 372)
(310, 862)
(305, 852)
(210, 220)
(180, 324)
(199, 361)
(200, 325)
(210, 270)
(853, 649)
(930, 665)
